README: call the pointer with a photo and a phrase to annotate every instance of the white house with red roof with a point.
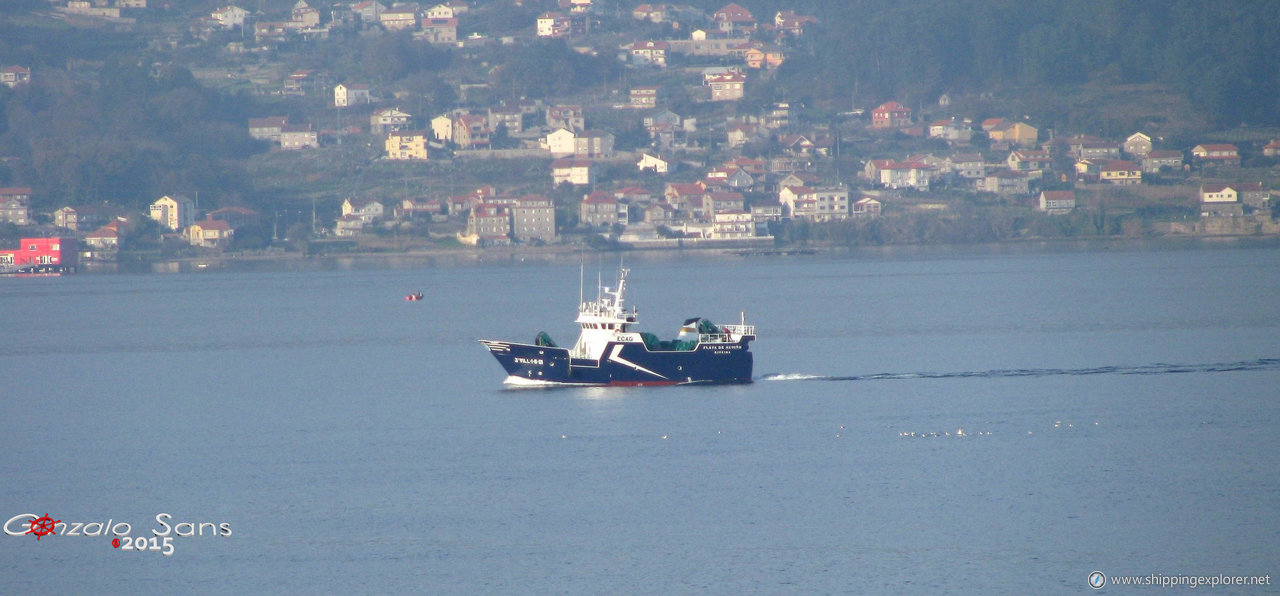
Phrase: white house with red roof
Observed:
(1220, 153)
(865, 207)
(553, 24)
(368, 210)
(894, 174)
(14, 75)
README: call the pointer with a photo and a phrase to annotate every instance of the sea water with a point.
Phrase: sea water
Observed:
(975, 422)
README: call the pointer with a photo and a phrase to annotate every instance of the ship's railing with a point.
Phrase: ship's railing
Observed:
(730, 335)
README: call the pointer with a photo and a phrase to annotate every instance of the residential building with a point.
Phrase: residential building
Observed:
(511, 118)
(1220, 200)
(440, 11)
(654, 163)
(1007, 182)
(600, 209)
(865, 207)
(721, 202)
(1028, 160)
(304, 16)
(593, 143)
(175, 213)
(1254, 195)
(442, 128)
(553, 24)
(741, 134)
(890, 115)
(815, 203)
(350, 94)
(105, 238)
(210, 233)
(1013, 134)
(399, 20)
(438, 31)
(729, 176)
(369, 11)
(299, 136)
(235, 216)
(1120, 172)
(1218, 193)
(388, 120)
(767, 57)
(733, 18)
(347, 226)
(573, 171)
(85, 217)
(560, 142)
(471, 131)
(1057, 202)
(304, 82)
(1158, 160)
(1092, 148)
(407, 145)
(1271, 149)
(787, 22)
(729, 87)
(15, 205)
(648, 53)
(732, 225)
(267, 129)
(892, 174)
(368, 210)
(533, 219)
(952, 130)
(14, 75)
(488, 225)
(684, 197)
(570, 117)
(968, 166)
(644, 97)
(1224, 154)
(229, 16)
(1138, 145)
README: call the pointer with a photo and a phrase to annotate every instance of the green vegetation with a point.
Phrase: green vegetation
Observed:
(119, 117)
(1220, 55)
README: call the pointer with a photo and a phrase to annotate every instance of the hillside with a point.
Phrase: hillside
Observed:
(120, 111)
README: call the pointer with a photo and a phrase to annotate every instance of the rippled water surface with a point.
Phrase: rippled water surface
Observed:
(976, 423)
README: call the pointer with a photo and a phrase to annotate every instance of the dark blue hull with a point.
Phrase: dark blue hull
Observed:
(624, 363)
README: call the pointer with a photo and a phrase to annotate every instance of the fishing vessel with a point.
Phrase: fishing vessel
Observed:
(609, 352)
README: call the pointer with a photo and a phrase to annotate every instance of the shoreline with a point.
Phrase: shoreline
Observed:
(463, 257)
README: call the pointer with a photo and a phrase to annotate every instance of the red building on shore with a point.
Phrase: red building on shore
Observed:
(40, 255)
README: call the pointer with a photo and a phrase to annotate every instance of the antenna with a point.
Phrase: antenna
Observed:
(581, 268)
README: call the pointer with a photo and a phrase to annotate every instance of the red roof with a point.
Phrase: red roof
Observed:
(214, 224)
